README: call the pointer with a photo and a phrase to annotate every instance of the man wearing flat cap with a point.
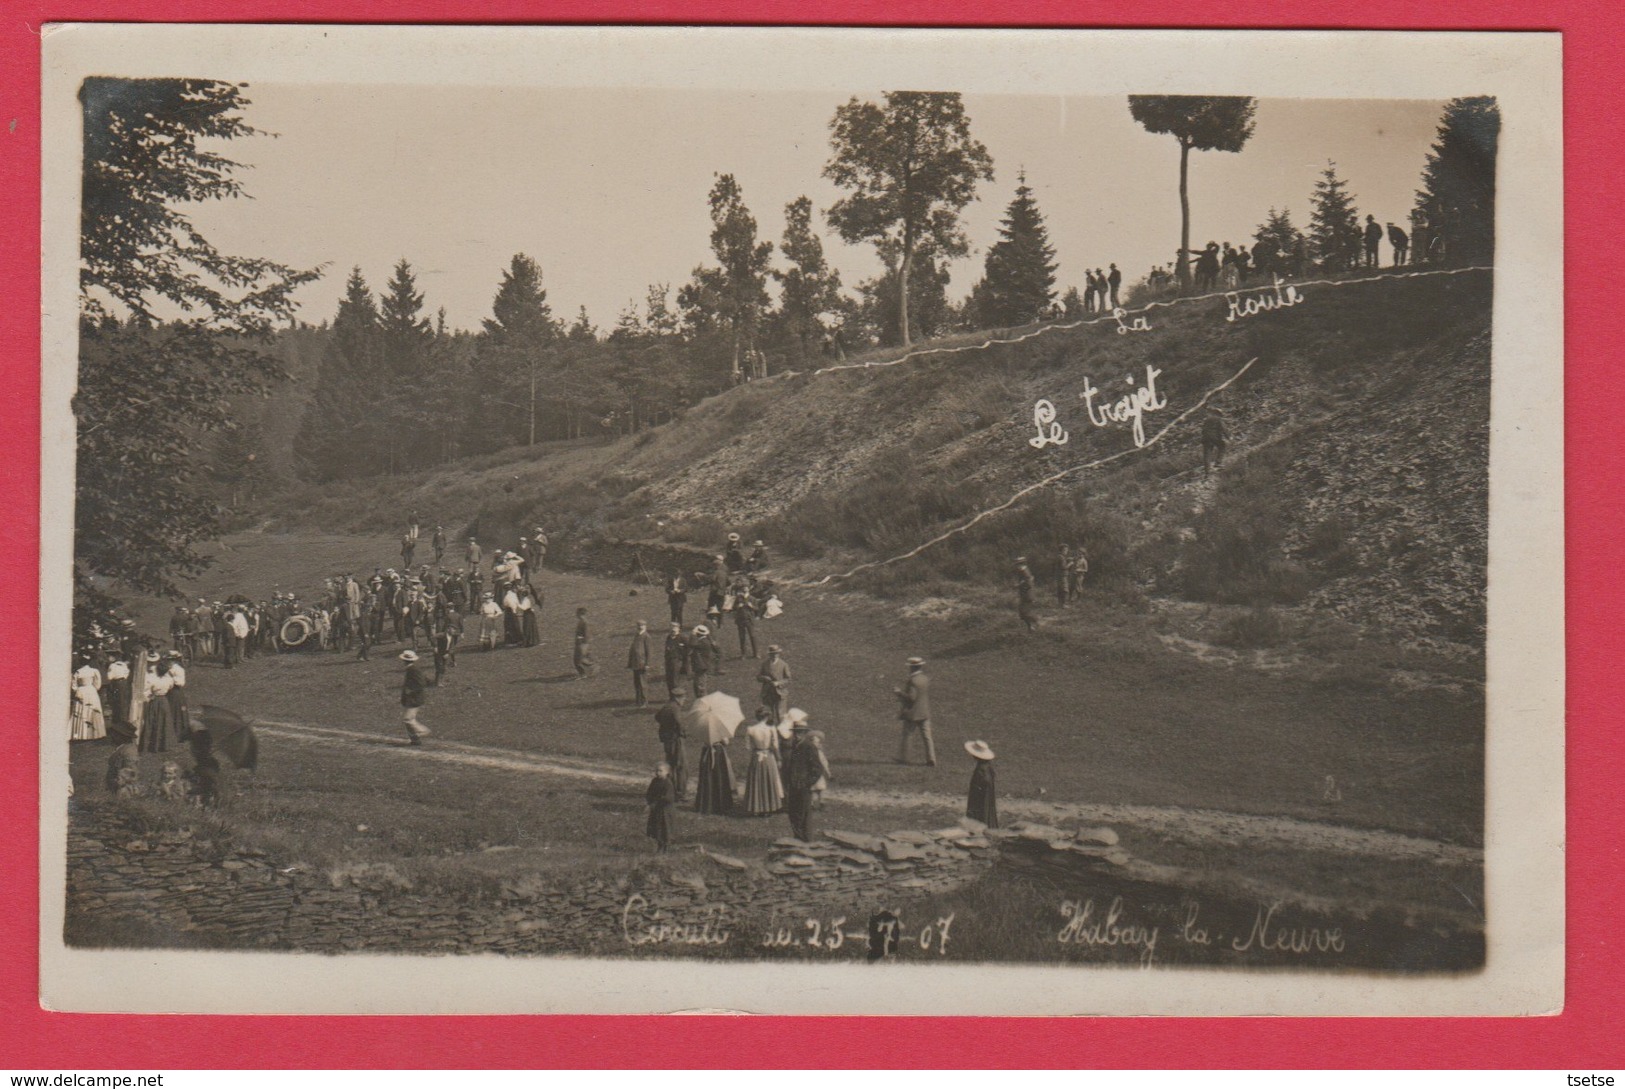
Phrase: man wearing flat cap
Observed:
(915, 712)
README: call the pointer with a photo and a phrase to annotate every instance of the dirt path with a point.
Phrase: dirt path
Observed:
(1192, 826)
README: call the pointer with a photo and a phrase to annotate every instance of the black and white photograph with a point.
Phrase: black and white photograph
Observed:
(801, 521)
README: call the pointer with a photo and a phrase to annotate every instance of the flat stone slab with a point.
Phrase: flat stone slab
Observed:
(727, 861)
(919, 839)
(857, 840)
(895, 851)
(956, 832)
(1102, 835)
(1042, 832)
(972, 825)
(799, 861)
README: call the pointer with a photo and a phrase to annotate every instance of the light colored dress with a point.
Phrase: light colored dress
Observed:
(85, 719)
(764, 790)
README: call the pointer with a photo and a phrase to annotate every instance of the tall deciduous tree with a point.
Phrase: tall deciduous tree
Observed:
(741, 294)
(911, 166)
(1199, 122)
(172, 330)
(1456, 204)
(1334, 223)
(809, 288)
(1019, 280)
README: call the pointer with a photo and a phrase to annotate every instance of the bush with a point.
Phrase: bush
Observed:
(1259, 627)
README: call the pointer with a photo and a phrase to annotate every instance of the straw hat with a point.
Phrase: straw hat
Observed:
(774, 648)
(701, 629)
(409, 655)
(916, 661)
(733, 536)
(979, 750)
(798, 719)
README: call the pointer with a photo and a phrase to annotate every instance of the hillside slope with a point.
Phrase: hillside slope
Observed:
(1356, 481)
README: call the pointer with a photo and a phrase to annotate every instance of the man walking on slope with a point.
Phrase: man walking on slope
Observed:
(915, 713)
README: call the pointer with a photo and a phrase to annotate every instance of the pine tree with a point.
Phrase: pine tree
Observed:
(1019, 281)
(516, 345)
(1278, 243)
(405, 332)
(406, 396)
(1202, 123)
(1334, 223)
(810, 288)
(341, 432)
(1455, 208)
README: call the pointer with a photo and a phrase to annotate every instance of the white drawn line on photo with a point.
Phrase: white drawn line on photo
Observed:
(920, 353)
(1031, 488)
(1200, 826)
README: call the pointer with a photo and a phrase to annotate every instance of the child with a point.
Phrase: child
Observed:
(170, 786)
(124, 757)
(661, 798)
(982, 805)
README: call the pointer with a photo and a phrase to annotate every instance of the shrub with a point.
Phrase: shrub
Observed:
(1257, 627)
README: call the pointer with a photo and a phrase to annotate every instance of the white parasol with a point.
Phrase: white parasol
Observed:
(714, 717)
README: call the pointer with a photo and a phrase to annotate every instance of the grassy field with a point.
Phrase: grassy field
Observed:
(533, 772)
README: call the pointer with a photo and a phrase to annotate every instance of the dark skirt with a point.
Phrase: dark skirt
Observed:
(532, 630)
(177, 714)
(983, 804)
(677, 757)
(155, 726)
(715, 791)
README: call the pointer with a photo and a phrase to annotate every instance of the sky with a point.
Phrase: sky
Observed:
(607, 189)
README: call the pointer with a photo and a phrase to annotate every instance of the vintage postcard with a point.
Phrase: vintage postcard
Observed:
(801, 521)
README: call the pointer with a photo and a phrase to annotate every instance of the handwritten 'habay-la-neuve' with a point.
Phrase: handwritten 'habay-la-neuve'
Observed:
(1129, 408)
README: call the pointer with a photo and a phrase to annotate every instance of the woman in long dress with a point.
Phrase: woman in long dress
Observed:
(982, 804)
(715, 792)
(530, 626)
(178, 718)
(764, 790)
(116, 693)
(85, 719)
(155, 715)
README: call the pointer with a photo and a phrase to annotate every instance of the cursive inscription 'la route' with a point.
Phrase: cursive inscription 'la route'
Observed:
(1085, 927)
(1246, 308)
(640, 927)
(1269, 937)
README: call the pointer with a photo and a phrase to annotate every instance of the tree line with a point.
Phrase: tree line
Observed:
(168, 427)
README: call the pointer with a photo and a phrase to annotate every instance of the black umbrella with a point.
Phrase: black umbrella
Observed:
(230, 735)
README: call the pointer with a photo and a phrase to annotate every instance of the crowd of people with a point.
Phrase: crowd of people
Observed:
(131, 693)
(1223, 266)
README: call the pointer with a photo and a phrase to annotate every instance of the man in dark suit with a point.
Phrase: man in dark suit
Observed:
(676, 658)
(915, 712)
(676, 597)
(802, 768)
(1114, 280)
(702, 659)
(637, 660)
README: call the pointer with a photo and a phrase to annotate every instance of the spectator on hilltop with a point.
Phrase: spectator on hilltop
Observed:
(1401, 243)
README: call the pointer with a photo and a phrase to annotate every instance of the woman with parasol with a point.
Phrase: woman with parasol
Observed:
(714, 718)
